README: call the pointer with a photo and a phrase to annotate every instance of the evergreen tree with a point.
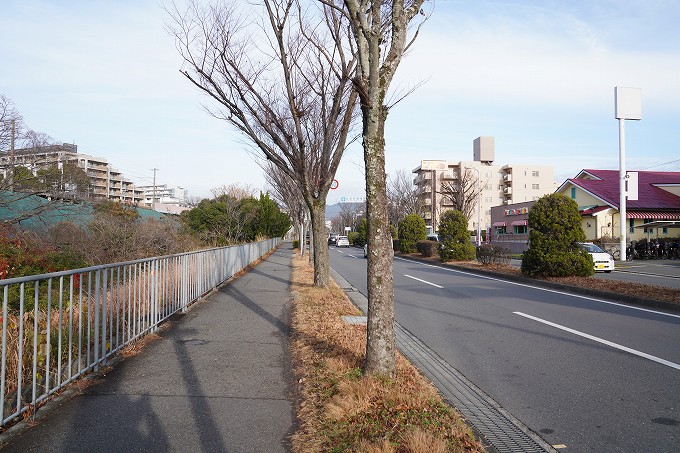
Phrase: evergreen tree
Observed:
(455, 237)
(555, 225)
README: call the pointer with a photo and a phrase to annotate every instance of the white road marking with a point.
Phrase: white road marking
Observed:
(603, 341)
(541, 289)
(422, 281)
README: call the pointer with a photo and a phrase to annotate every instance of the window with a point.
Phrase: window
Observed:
(664, 230)
(534, 186)
(631, 224)
(651, 230)
(534, 173)
(520, 229)
(573, 192)
(487, 174)
(500, 186)
(488, 199)
(488, 186)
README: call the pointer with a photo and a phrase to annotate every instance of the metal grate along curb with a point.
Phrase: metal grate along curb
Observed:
(504, 434)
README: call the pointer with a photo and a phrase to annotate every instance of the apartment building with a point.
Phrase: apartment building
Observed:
(165, 194)
(496, 184)
(106, 183)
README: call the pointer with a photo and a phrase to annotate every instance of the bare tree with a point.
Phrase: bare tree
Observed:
(235, 190)
(349, 212)
(402, 196)
(462, 192)
(287, 193)
(11, 123)
(380, 34)
(281, 75)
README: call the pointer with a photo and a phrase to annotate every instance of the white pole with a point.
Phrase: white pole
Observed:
(622, 189)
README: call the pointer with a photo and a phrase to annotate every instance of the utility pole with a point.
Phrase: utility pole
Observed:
(153, 200)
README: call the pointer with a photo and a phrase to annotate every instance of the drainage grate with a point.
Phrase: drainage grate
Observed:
(354, 320)
(504, 433)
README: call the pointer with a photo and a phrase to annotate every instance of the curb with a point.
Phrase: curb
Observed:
(622, 298)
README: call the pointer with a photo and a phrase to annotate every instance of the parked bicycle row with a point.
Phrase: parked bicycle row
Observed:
(661, 249)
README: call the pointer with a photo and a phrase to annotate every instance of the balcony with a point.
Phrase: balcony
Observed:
(507, 178)
(448, 175)
(507, 191)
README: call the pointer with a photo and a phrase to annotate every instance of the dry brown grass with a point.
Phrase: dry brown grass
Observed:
(341, 409)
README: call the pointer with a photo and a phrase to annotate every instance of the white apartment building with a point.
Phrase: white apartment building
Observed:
(106, 183)
(498, 184)
(165, 194)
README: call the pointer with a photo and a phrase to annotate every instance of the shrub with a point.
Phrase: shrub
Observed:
(427, 248)
(489, 254)
(555, 230)
(360, 240)
(296, 243)
(354, 237)
(411, 230)
(454, 238)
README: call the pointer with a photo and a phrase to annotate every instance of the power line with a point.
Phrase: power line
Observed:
(673, 165)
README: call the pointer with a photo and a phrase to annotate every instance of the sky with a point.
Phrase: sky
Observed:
(538, 76)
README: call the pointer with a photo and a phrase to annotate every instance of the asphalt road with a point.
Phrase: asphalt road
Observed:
(580, 372)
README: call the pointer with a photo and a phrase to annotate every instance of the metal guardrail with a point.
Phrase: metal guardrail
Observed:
(57, 327)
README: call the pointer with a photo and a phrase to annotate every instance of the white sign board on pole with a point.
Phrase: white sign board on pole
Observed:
(348, 228)
(628, 103)
(632, 185)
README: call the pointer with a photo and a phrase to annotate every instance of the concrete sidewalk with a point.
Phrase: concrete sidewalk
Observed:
(218, 379)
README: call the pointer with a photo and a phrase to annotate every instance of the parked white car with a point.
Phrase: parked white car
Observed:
(603, 260)
(342, 241)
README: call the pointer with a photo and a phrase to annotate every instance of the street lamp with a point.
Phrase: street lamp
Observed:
(478, 238)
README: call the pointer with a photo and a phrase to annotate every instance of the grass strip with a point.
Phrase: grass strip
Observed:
(341, 409)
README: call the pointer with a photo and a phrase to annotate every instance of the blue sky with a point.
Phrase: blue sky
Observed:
(538, 76)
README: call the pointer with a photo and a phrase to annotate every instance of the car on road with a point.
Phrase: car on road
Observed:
(342, 241)
(603, 260)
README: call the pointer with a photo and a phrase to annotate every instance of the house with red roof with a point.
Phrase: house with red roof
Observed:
(597, 195)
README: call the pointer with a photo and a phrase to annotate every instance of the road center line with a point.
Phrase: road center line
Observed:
(423, 281)
(603, 341)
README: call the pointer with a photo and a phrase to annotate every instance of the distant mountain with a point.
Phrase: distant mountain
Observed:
(333, 210)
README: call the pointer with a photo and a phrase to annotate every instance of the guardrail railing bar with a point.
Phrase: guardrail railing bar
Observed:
(3, 366)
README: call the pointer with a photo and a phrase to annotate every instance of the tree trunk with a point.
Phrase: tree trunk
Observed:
(320, 243)
(301, 238)
(381, 338)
